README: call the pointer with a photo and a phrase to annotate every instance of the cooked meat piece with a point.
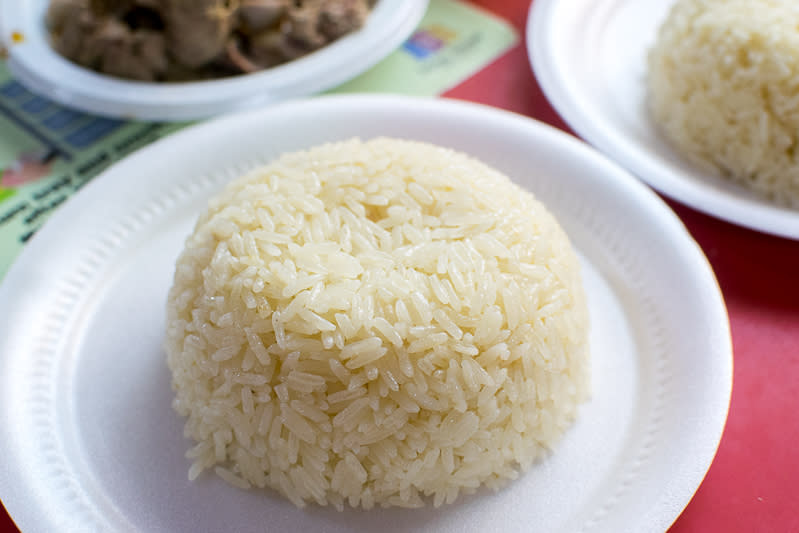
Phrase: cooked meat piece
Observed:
(109, 31)
(236, 59)
(106, 33)
(108, 45)
(150, 46)
(61, 11)
(70, 35)
(304, 29)
(196, 30)
(301, 28)
(270, 48)
(318, 22)
(339, 17)
(141, 56)
(258, 15)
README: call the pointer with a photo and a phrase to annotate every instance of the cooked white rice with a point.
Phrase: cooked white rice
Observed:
(723, 86)
(374, 323)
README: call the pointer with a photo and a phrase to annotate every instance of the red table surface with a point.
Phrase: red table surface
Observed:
(753, 483)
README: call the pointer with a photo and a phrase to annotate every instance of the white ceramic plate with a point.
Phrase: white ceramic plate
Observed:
(590, 58)
(88, 438)
(42, 70)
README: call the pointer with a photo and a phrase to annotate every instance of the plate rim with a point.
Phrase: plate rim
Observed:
(688, 245)
(746, 211)
(46, 73)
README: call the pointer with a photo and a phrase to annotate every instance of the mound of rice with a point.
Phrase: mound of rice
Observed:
(723, 85)
(375, 323)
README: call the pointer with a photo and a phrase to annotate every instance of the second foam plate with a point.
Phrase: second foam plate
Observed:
(590, 58)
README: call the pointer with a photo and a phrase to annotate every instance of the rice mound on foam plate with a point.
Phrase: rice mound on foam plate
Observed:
(723, 86)
(376, 323)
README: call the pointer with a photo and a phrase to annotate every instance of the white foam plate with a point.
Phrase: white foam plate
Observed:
(89, 441)
(590, 58)
(42, 70)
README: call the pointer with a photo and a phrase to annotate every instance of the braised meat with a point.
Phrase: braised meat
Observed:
(182, 40)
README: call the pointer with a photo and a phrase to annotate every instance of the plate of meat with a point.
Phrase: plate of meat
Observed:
(176, 60)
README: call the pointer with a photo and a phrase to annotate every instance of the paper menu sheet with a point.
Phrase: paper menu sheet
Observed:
(48, 152)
